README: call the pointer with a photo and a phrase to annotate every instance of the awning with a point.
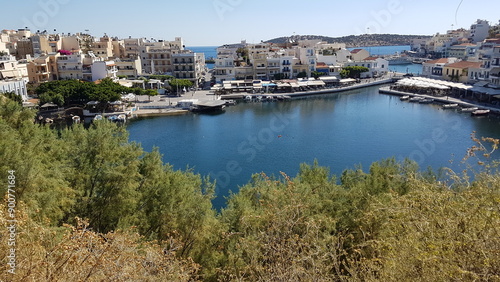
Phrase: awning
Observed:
(347, 80)
(328, 78)
(485, 90)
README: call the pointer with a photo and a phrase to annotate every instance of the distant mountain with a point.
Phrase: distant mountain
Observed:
(355, 40)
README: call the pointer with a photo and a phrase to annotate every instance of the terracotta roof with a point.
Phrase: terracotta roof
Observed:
(321, 64)
(438, 61)
(464, 65)
(493, 40)
(355, 51)
(370, 58)
(467, 44)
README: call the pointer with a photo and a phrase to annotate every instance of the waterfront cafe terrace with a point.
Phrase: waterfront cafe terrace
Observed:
(434, 87)
(280, 86)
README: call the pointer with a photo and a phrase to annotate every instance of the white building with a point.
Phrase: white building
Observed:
(479, 31)
(434, 68)
(17, 86)
(104, 69)
(377, 66)
(11, 68)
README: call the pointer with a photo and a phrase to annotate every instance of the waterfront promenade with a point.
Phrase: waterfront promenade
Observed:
(167, 105)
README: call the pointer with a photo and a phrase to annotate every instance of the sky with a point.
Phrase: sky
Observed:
(218, 22)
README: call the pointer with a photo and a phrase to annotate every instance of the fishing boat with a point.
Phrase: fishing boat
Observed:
(480, 112)
(426, 101)
(450, 106)
(405, 97)
(416, 99)
(469, 110)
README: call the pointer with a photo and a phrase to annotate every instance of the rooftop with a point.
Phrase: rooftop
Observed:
(465, 64)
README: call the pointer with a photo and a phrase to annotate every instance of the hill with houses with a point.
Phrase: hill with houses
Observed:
(355, 40)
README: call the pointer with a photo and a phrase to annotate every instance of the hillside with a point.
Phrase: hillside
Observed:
(355, 40)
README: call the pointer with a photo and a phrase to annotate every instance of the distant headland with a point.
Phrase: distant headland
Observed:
(356, 40)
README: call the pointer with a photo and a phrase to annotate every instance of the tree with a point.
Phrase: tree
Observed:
(279, 76)
(150, 93)
(317, 74)
(302, 74)
(180, 84)
(353, 71)
(14, 97)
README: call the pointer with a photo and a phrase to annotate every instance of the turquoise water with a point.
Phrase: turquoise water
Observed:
(339, 130)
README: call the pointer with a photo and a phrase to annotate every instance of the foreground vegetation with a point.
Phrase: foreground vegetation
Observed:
(90, 205)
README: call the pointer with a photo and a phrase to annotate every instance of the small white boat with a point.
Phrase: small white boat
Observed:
(426, 101)
(405, 97)
(248, 98)
(230, 102)
(76, 119)
(98, 117)
(480, 112)
(416, 99)
(469, 110)
(450, 106)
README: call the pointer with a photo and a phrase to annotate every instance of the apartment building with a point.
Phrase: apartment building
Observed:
(10, 68)
(189, 65)
(128, 67)
(104, 69)
(43, 69)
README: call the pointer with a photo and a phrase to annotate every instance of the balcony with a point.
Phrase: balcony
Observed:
(68, 69)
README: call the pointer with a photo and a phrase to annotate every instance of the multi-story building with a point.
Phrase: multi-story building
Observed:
(156, 56)
(10, 68)
(494, 72)
(434, 68)
(479, 31)
(128, 67)
(104, 69)
(24, 49)
(459, 71)
(40, 43)
(131, 47)
(17, 86)
(43, 69)
(376, 66)
(103, 48)
(463, 51)
(72, 66)
(189, 65)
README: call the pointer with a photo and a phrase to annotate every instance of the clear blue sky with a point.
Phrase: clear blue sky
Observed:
(216, 22)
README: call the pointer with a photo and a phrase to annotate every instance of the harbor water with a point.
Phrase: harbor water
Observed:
(339, 130)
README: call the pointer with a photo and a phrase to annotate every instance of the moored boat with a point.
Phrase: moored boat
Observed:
(480, 112)
(450, 106)
(416, 99)
(471, 109)
(426, 101)
(405, 97)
